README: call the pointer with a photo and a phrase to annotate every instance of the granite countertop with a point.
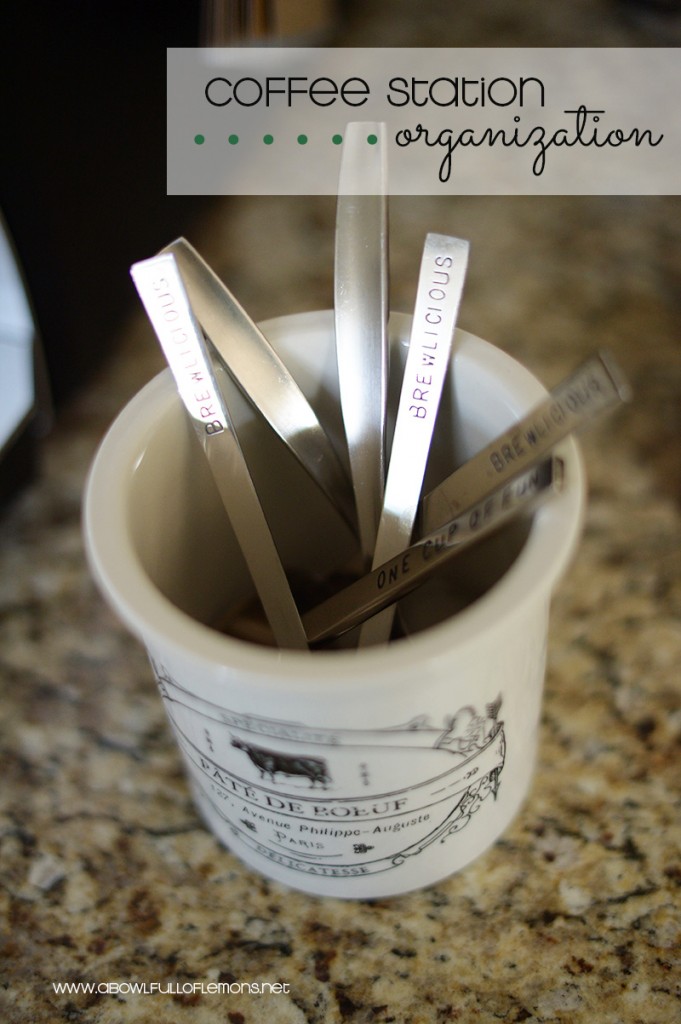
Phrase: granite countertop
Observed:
(574, 914)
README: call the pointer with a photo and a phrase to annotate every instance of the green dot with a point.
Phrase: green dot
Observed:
(268, 139)
(372, 139)
(233, 139)
(337, 139)
(199, 139)
(302, 140)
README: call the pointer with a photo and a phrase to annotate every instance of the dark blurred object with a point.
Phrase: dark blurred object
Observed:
(658, 20)
(267, 22)
(654, 6)
(83, 173)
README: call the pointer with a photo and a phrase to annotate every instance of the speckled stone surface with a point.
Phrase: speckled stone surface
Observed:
(574, 915)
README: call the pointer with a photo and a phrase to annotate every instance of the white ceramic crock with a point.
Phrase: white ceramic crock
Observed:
(351, 774)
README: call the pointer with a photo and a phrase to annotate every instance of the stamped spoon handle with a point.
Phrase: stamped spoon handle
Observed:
(480, 495)
(398, 576)
(597, 385)
(161, 289)
(438, 296)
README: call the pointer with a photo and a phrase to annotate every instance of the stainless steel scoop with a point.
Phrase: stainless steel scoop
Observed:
(262, 376)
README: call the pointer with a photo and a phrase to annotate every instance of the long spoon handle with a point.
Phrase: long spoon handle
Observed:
(496, 483)
(398, 576)
(438, 297)
(161, 289)
(361, 315)
(596, 385)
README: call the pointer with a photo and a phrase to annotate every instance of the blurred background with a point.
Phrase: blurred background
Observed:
(82, 181)
(82, 176)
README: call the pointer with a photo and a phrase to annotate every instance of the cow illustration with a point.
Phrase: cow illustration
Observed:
(271, 762)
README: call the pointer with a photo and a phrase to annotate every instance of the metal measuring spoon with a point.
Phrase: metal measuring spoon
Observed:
(262, 376)
(438, 296)
(361, 317)
(161, 289)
